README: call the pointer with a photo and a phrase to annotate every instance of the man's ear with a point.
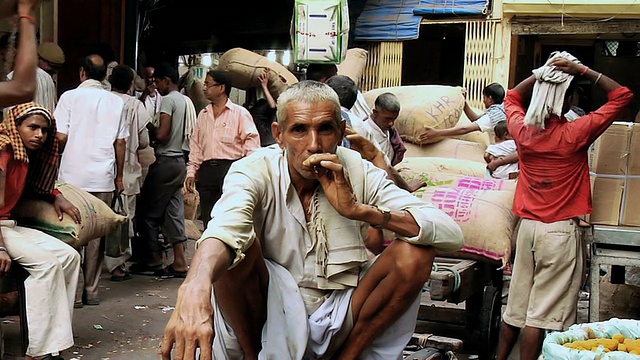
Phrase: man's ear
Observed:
(277, 133)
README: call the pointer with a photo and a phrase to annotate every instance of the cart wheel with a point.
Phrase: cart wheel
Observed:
(489, 322)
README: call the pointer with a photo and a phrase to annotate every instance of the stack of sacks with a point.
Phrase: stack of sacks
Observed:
(354, 64)
(421, 106)
(449, 148)
(481, 206)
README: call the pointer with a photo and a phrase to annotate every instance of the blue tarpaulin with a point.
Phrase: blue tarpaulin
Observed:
(451, 7)
(388, 20)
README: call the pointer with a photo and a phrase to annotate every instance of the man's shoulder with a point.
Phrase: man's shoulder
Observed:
(260, 163)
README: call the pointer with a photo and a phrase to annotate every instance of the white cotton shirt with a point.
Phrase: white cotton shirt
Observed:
(46, 92)
(361, 109)
(260, 202)
(91, 117)
(504, 148)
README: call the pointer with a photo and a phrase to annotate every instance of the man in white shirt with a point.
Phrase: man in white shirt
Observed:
(92, 138)
(50, 59)
(285, 250)
(150, 96)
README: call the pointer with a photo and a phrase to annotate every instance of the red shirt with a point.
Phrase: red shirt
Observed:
(16, 179)
(554, 172)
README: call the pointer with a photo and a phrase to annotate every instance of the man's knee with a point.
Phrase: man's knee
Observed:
(414, 262)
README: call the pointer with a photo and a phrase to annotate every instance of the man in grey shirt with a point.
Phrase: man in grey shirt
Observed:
(161, 203)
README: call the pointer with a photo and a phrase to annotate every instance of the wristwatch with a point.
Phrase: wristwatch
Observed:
(386, 212)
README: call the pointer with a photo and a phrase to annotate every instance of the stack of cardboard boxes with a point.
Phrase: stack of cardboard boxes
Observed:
(614, 161)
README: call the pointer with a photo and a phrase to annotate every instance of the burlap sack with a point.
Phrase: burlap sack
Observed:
(98, 219)
(354, 64)
(438, 179)
(449, 148)
(245, 67)
(434, 106)
(191, 204)
(485, 217)
(442, 165)
(191, 230)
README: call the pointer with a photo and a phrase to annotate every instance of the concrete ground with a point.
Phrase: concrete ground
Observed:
(130, 320)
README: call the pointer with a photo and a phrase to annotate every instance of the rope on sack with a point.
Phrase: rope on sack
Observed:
(422, 340)
(457, 279)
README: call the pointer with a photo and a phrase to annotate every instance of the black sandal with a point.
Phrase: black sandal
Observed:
(144, 269)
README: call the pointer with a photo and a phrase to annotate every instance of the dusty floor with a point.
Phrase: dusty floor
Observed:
(129, 322)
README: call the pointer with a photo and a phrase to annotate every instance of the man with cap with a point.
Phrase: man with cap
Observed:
(51, 59)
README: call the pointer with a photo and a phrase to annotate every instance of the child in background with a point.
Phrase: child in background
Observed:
(504, 146)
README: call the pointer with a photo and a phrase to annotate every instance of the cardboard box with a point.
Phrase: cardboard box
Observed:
(614, 161)
(320, 31)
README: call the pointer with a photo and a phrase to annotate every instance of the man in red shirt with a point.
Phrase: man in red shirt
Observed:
(29, 167)
(553, 191)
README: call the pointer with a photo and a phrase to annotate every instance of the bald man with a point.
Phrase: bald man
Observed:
(92, 137)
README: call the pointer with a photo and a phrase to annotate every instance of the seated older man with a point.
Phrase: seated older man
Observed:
(282, 270)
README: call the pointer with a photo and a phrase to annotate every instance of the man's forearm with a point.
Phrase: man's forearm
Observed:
(121, 148)
(603, 81)
(209, 263)
(526, 86)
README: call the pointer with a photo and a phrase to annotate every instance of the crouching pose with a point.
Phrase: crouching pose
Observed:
(282, 270)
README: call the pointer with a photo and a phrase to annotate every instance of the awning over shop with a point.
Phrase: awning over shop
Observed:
(452, 7)
(388, 20)
(577, 8)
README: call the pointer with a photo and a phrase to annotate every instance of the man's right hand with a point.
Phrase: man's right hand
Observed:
(191, 324)
(5, 262)
(190, 184)
(28, 7)
(429, 134)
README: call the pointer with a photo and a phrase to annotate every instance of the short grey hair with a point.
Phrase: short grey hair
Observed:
(388, 102)
(307, 91)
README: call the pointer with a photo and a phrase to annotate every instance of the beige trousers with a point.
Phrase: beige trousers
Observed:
(92, 260)
(53, 268)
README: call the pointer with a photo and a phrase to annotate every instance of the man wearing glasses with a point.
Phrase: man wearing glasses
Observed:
(224, 133)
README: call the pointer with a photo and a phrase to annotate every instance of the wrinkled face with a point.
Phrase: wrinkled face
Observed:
(33, 131)
(212, 89)
(149, 79)
(385, 119)
(487, 101)
(309, 129)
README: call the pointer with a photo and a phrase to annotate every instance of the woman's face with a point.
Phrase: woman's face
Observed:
(34, 131)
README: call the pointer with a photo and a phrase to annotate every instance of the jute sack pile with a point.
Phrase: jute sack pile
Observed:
(98, 219)
(449, 148)
(434, 106)
(441, 165)
(354, 64)
(485, 217)
(245, 67)
(438, 179)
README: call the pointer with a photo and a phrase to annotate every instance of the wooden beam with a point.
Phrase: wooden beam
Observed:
(542, 26)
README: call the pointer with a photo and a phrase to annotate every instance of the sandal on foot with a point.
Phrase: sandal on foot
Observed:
(144, 269)
(176, 273)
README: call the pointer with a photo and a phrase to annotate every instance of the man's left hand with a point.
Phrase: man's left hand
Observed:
(567, 66)
(63, 206)
(494, 164)
(119, 184)
(330, 173)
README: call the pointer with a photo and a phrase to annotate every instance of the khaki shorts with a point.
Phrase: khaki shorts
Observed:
(547, 275)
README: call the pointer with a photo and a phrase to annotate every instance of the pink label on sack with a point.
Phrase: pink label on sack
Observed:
(457, 203)
(478, 184)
